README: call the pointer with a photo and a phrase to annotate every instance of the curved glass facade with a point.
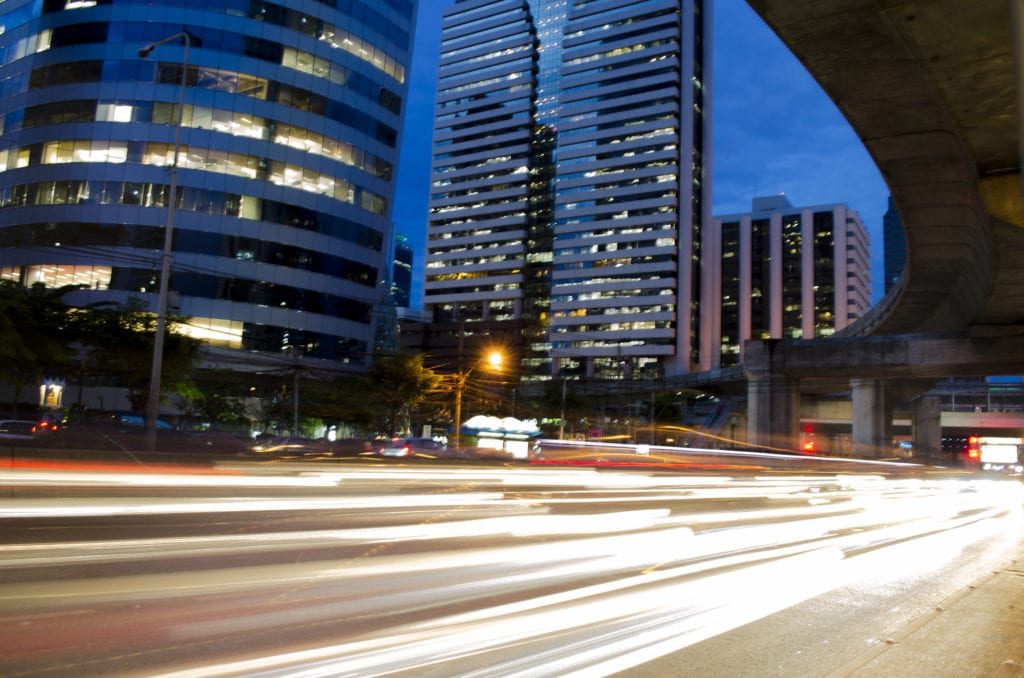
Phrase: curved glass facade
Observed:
(286, 162)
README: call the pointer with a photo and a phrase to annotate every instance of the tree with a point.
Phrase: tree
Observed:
(341, 399)
(397, 384)
(118, 339)
(211, 398)
(34, 333)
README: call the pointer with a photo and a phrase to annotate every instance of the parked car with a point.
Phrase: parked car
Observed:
(17, 429)
(131, 420)
(408, 447)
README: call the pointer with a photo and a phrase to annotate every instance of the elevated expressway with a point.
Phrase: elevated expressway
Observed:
(934, 90)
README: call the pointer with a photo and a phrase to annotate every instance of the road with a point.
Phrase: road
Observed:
(363, 567)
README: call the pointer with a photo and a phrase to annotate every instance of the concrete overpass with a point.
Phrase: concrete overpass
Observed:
(934, 90)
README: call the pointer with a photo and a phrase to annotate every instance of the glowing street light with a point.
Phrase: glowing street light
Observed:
(493, 361)
(165, 266)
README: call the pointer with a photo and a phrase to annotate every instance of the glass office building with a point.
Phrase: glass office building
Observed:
(570, 181)
(289, 138)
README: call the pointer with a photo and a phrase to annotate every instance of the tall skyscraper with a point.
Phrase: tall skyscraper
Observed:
(570, 180)
(401, 271)
(894, 245)
(785, 272)
(289, 140)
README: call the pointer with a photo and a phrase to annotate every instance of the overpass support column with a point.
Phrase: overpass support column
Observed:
(773, 410)
(926, 428)
(872, 419)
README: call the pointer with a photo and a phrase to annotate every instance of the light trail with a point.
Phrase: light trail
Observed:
(460, 571)
(154, 478)
(140, 506)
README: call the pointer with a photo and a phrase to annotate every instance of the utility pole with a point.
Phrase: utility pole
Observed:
(165, 264)
(561, 420)
(295, 396)
(654, 423)
(460, 382)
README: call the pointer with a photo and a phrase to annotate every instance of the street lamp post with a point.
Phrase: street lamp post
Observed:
(165, 266)
(460, 383)
(494, 360)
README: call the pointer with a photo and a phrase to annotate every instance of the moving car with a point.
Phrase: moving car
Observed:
(408, 447)
(292, 444)
(1001, 454)
(50, 421)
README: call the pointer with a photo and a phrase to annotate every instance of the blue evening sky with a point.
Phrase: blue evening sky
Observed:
(774, 131)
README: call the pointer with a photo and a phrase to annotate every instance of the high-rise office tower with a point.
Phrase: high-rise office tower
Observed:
(894, 245)
(570, 180)
(401, 271)
(784, 272)
(289, 139)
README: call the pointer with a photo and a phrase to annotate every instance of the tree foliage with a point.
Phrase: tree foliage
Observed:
(35, 335)
(341, 399)
(215, 396)
(397, 384)
(118, 339)
(41, 335)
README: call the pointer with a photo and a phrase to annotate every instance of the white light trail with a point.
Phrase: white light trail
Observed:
(483, 572)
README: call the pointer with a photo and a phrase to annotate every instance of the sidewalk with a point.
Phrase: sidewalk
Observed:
(979, 632)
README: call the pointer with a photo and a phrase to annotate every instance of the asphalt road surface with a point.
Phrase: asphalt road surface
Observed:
(367, 568)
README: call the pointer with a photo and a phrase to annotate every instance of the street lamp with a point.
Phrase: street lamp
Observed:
(493, 361)
(165, 266)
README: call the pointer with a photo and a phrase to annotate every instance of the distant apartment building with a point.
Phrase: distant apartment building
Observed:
(570, 182)
(289, 142)
(784, 272)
